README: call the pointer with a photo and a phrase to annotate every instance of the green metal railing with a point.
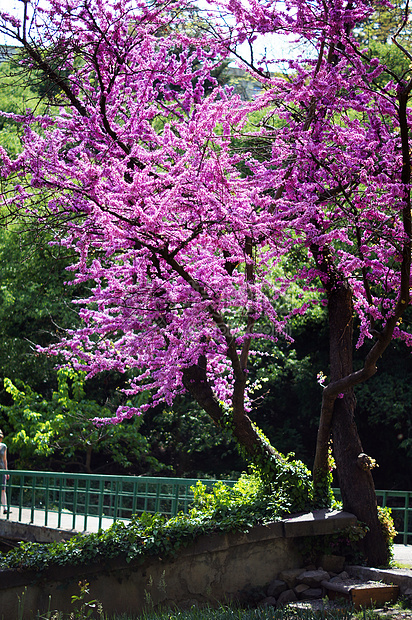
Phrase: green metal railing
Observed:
(62, 498)
(400, 503)
(96, 498)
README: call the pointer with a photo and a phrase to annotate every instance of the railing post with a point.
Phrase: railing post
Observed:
(157, 500)
(33, 498)
(75, 489)
(9, 491)
(62, 483)
(134, 501)
(21, 495)
(406, 519)
(101, 502)
(175, 502)
(146, 496)
(116, 499)
(86, 503)
(46, 502)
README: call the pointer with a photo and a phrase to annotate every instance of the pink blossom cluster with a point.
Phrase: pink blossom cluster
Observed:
(145, 174)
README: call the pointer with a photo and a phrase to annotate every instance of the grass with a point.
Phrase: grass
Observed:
(207, 613)
(82, 609)
(264, 613)
(344, 612)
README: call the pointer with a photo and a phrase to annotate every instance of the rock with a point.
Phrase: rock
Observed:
(336, 579)
(332, 563)
(312, 593)
(301, 588)
(252, 595)
(342, 587)
(269, 601)
(290, 576)
(339, 578)
(276, 587)
(288, 596)
(313, 577)
(257, 595)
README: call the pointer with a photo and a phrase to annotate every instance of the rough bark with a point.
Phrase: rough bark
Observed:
(356, 484)
(243, 429)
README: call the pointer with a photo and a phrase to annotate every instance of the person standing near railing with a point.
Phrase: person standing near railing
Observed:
(3, 465)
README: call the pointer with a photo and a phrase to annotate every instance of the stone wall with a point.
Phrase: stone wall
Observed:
(212, 570)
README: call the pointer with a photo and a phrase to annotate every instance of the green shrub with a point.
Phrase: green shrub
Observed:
(343, 543)
(388, 528)
(220, 509)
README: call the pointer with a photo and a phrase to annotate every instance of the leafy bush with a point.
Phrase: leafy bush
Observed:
(221, 509)
(289, 480)
(239, 507)
(388, 527)
(343, 543)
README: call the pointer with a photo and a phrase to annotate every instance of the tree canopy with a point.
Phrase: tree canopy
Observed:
(188, 233)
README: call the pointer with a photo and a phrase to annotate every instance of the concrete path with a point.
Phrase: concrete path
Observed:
(403, 555)
(78, 524)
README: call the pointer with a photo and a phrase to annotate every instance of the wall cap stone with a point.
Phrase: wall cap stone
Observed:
(318, 523)
(399, 576)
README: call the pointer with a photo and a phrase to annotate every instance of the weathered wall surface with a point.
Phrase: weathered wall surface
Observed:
(15, 531)
(213, 569)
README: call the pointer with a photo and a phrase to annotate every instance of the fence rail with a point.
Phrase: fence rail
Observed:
(96, 496)
(67, 496)
(400, 503)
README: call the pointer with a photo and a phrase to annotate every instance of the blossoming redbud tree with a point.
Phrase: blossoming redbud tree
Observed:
(135, 168)
(135, 165)
(340, 175)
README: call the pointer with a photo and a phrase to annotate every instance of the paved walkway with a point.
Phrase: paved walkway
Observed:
(402, 555)
(80, 523)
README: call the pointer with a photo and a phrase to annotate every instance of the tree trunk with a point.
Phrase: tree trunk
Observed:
(243, 429)
(88, 463)
(356, 484)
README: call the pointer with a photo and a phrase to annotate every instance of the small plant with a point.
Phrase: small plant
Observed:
(403, 603)
(343, 543)
(366, 613)
(86, 609)
(20, 605)
(388, 528)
